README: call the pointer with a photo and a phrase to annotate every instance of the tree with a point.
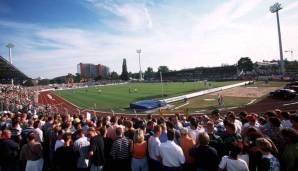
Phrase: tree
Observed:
(44, 82)
(149, 73)
(99, 77)
(245, 64)
(28, 83)
(163, 69)
(129, 74)
(69, 78)
(124, 74)
(77, 78)
(114, 75)
(134, 75)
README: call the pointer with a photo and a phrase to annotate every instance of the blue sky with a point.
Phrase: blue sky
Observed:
(52, 36)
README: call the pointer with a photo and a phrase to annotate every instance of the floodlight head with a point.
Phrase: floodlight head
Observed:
(139, 50)
(276, 7)
(10, 45)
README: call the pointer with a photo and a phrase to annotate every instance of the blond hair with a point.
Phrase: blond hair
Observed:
(138, 136)
(264, 144)
(203, 138)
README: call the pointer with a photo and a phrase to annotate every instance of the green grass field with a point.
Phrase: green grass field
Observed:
(118, 97)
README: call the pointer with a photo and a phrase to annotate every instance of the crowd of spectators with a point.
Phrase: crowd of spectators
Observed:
(35, 139)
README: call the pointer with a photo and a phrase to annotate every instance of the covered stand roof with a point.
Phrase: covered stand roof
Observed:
(9, 71)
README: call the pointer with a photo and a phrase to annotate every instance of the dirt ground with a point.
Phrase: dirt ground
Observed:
(246, 91)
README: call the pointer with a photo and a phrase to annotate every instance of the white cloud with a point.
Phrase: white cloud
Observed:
(291, 6)
(136, 15)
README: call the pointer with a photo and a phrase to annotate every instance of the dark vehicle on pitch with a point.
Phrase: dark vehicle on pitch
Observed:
(292, 86)
(283, 93)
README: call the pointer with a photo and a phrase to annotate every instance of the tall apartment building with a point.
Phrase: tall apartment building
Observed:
(91, 71)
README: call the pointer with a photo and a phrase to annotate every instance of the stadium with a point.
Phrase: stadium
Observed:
(196, 116)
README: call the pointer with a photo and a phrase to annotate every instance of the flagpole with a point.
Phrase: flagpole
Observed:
(162, 90)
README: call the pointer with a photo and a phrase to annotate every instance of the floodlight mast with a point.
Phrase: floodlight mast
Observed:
(274, 9)
(139, 51)
(10, 46)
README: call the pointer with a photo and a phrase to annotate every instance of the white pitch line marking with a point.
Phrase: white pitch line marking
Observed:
(181, 105)
(288, 104)
(251, 101)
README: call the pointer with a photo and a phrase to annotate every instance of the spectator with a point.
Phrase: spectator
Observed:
(177, 124)
(294, 121)
(194, 129)
(23, 121)
(111, 132)
(219, 127)
(249, 141)
(215, 140)
(273, 132)
(8, 152)
(243, 117)
(185, 122)
(251, 122)
(77, 126)
(28, 130)
(32, 153)
(120, 152)
(171, 154)
(64, 156)
(149, 130)
(129, 132)
(139, 148)
(231, 136)
(60, 141)
(267, 116)
(232, 119)
(206, 157)
(96, 150)
(107, 147)
(186, 143)
(153, 149)
(232, 162)
(289, 157)
(16, 130)
(81, 147)
(268, 161)
(39, 132)
(163, 136)
(285, 120)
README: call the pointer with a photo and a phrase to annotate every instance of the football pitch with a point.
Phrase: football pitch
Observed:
(118, 97)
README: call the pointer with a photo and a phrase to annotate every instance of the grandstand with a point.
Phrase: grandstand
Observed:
(203, 73)
(9, 72)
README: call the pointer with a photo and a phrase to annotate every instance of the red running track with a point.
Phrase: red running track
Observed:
(50, 98)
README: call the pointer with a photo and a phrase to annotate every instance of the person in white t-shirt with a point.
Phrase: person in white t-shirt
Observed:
(236, 122)
(59, 142)
(81, 146)
(252, 123)
(171, 154)
(285, 120)
(232, 162)
(194, 130)
(153, 149)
